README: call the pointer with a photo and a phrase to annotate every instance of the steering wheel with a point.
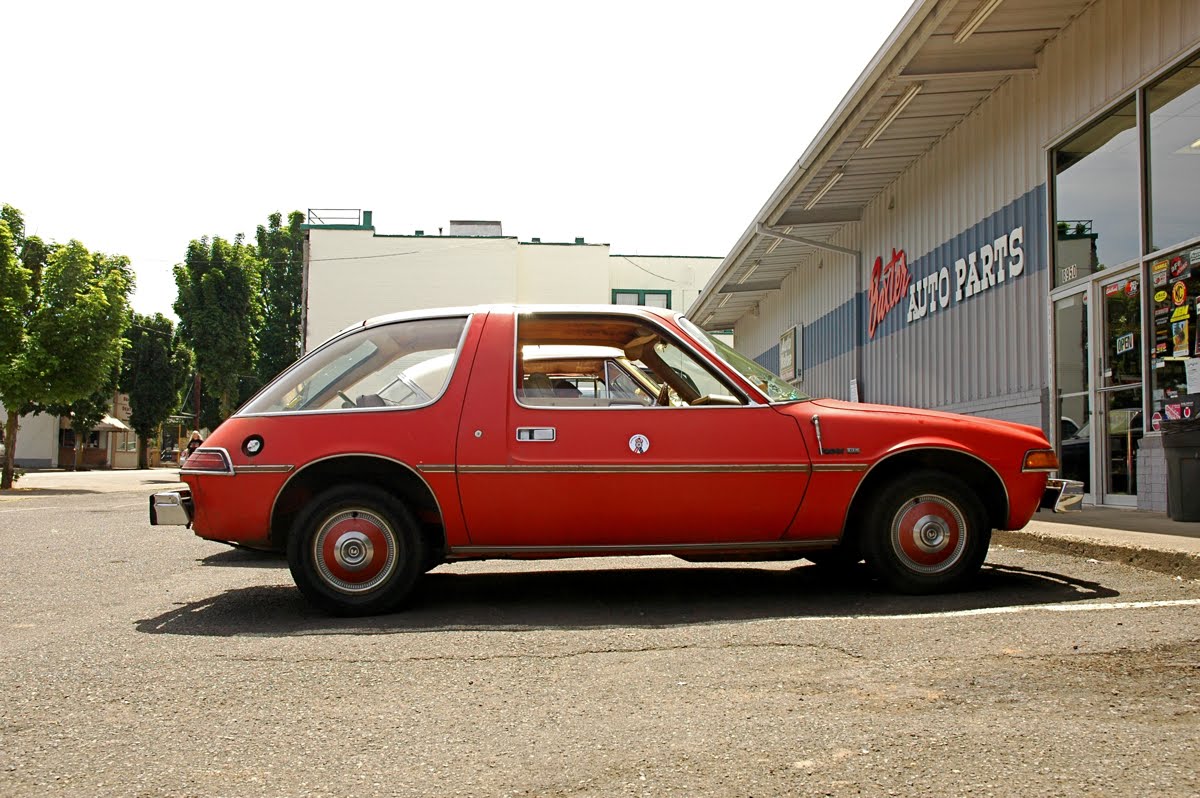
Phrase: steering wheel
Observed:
(664, 396)
(348, 401)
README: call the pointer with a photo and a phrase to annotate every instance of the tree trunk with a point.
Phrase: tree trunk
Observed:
(143, 457)
(10, 450)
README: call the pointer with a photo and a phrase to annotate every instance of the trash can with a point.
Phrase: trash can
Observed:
(1181, 442)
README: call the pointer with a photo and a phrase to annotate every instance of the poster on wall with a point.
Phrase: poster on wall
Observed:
(1179, 337)
(791, 367)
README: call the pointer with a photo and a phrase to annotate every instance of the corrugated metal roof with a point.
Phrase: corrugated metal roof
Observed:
(927, 78)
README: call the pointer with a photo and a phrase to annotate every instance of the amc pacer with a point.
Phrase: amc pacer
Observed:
(421, 438)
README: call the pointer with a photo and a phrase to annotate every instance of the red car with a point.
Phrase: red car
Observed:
(533, 432)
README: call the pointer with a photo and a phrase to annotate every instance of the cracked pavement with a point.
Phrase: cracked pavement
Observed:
(142, 661)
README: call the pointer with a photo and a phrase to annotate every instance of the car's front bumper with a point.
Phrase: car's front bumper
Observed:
(171, 507)
(1062, 495)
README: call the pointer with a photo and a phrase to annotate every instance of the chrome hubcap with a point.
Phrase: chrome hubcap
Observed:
(932, 534)
(929, 534)
(353, 551)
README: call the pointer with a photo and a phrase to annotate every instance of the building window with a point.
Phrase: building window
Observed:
(652, 298)
(1096, 197)
(1174, 146)
(1175, 281)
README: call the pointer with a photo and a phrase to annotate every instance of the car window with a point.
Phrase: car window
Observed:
(405, 364)
(621, 361)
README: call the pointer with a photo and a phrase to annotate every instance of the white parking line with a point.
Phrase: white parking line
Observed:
(1066, 607)
(23, 509)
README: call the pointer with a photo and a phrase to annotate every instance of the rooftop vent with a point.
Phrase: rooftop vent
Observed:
(475, 228)
(579, 240)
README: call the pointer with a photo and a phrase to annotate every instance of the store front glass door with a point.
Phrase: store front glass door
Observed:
(1118, 427)
(1073, 379)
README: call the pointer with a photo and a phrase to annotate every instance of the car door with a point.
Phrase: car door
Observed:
(565, 475)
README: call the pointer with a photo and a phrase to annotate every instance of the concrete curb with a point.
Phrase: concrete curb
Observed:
(1161, 553)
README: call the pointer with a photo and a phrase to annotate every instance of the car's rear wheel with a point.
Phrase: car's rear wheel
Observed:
(355, 550)
(927, 532)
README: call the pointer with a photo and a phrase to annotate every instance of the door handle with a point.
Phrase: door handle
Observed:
(544, 434)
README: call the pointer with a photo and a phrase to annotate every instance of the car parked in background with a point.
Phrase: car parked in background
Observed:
(421, 438)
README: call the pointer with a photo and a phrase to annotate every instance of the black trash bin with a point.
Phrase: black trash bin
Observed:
(1181, 442)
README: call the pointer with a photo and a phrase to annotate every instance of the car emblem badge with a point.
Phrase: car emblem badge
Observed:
(639, 444)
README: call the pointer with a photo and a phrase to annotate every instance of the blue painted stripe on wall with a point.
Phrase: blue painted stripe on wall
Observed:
(834, 334)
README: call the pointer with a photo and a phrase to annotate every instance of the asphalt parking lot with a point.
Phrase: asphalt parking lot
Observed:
(137, 660)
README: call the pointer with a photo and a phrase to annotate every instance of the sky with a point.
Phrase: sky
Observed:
(660, 128)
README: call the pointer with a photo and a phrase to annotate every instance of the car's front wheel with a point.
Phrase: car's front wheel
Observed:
(355, 550)
(927, 533)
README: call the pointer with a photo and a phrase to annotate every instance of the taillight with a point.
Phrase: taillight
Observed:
(1040, 460)
(208, 461)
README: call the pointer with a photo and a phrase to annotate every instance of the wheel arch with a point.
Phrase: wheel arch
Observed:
(976, 473)
(397, 478)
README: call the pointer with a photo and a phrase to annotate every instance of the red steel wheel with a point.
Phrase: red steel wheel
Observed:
(355, 550)
(926, 532)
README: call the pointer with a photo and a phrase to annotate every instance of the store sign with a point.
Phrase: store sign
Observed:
(888, 286)
(973, 274)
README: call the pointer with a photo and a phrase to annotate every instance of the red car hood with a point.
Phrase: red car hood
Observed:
(932, 415)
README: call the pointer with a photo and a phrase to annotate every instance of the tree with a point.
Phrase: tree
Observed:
(75, 309)
(281, 250)
(219, 312)
(154, 369)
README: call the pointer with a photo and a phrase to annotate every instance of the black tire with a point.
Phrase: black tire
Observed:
(355, 550)
(926, 533)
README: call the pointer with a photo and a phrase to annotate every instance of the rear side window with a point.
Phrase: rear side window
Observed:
(405, 364)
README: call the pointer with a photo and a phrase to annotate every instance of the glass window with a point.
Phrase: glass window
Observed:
(1174, 108)
(406, 364)
(1175, 282)
(652, 298)
(1096, 197)
(639, 364)
(1071, 375)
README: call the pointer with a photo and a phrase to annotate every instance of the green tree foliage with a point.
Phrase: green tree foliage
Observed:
(154, 369)
(281, 250)
(76, 306)
(219, 309)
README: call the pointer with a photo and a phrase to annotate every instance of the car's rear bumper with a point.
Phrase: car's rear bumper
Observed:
(1062, 495)
(171, 508)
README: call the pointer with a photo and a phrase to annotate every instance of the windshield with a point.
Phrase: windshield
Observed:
(775, 387)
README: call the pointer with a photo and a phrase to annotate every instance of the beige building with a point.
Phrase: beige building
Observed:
(47, 441)
(352, 272)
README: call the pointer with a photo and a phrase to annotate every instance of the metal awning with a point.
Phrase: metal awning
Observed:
(942, 60)
(111, 424)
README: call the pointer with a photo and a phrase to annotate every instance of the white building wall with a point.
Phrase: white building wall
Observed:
(574, 273)
(989, 355)
(37, 440)
(355, 274)
(684, 277)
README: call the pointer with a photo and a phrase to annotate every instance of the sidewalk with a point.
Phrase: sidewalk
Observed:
(1134, 537)
(1142, 539)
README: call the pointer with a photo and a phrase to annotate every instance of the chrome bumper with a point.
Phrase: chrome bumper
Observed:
(171, 507)
(1062, 495)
